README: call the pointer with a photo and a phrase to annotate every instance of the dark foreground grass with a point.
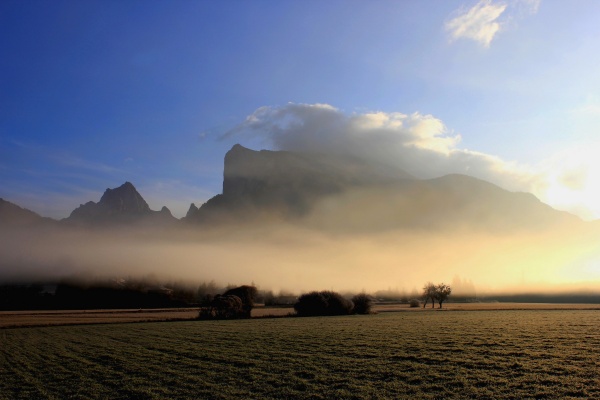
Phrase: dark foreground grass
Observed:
(485, 354)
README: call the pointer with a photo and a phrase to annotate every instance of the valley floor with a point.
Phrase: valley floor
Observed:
(13, 319)
(517, 354)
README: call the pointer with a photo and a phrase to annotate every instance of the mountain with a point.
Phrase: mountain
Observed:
(12, 215)
(344, 193)
(449, 202)
(285, 184)
(482, 202)
(332, 193)
(121, 205)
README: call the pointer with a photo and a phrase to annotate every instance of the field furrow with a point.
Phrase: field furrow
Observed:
(485, 354)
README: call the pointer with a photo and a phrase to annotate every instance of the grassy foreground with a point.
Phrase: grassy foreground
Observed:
(470, 354)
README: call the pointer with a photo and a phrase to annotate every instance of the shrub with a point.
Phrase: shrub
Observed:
(362, 303)
(247, 294)
(237, 302)
(414, 303)
(323, 303)
(223, 307)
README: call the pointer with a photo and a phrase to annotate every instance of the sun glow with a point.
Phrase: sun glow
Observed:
(574, 182)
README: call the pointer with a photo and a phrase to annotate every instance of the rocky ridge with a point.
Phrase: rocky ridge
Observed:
(323, 191)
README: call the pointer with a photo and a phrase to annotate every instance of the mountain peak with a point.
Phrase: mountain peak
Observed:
(123, 203)
(125, 198)
(191, 211)
(239, 147)
(287, 183)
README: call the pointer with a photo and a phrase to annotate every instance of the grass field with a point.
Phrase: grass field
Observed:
(470, 354)
(11, 319)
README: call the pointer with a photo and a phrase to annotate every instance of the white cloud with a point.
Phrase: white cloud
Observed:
(478, 23)
(416, 143)
(487, 18)
(423, 146)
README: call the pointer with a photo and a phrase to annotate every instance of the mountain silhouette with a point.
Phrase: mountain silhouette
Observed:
(322, 191)
(449, 202)
(284, 184)
(12, 215)
(345, 193)
(120, 205)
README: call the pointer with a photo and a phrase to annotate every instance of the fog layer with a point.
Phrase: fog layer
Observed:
(298, 257)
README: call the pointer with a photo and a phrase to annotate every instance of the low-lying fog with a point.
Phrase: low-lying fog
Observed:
(293, 258)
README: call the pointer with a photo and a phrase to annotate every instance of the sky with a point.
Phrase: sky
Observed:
(96, 93)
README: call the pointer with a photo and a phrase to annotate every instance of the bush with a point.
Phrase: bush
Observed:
(323, 303)
(234, 303)
(223, 307)
(247, 294)
(414, 303)
(362, 303)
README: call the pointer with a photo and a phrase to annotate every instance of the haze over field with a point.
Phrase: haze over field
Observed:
(407, 143)
(296, 260)
(299, 221)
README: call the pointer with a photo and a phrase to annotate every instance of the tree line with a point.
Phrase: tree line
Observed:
(238, 302)
(214, 302)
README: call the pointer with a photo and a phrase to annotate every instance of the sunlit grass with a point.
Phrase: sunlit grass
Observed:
(510, 354)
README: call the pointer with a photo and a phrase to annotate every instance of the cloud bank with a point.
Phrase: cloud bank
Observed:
(423, 146)
(419, 144)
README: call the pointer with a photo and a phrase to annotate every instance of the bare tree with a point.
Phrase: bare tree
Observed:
(442, 291)
(429, 292)
(437, 293)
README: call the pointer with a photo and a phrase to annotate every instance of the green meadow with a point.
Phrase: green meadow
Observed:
(446, 354)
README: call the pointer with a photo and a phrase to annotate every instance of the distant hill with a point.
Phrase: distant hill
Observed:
(482, 202)
(120, 205)
(448, 202)
(12, 215)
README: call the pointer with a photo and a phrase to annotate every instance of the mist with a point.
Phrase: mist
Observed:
(300, 256)
(422, 145)
(334, 223)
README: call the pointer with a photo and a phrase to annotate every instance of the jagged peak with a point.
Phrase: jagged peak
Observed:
(191, 211)
(124, 198)
(165, 211)
(127, 187)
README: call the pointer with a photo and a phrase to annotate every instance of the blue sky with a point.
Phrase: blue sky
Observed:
(96, 93)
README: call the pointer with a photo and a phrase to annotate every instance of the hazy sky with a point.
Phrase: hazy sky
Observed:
(96, 93)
